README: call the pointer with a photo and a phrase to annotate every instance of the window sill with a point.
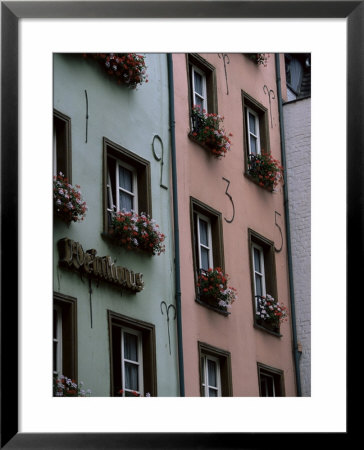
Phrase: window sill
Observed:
(114, 241)
(204, 146)
(213, 308)
(267, 327)
(255, 181)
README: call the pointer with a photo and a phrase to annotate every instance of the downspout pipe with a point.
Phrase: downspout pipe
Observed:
(176, 226)
(296, 353)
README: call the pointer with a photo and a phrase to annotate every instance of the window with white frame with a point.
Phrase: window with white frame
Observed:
(211, 381)
(258, 267)
(61, 145)
(215, 371)
(64, 336)
(122, 186)
(57, 340)
(133, 356)
(198, 81)
(204, 242)
(126, 182)
(263, 272)
(131, 363)
(201, 83)
(253, 133)
(271, 383)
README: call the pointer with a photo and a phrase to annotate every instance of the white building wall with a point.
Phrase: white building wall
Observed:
(297, 123)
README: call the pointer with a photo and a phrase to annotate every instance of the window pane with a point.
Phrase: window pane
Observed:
(131, 377)
(125, 201)
(212, 376)
(198, 102)
(125, 179)
(198, 82)
(212, 393)
(204, 259)
(258, 285)
(257, 266)
(252, 127)
(253, 145)
(203, 233)
(130, 347)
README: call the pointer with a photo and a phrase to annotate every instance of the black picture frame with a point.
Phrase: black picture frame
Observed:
(11, 12)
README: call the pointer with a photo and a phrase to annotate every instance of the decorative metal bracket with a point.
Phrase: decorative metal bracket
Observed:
(280, 230)
(271, 96)
(226, 59)
(167, 313)
(86, 115)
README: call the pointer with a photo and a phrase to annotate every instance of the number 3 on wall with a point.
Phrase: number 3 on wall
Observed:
(280, 231)
(231, 199)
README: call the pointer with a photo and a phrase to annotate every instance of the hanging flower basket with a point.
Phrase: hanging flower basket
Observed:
(213, 289)
(68, 204)
(138, 232)
(206, 130)
(259, 58)
(269, 312)
(265, 170)
(127, 68)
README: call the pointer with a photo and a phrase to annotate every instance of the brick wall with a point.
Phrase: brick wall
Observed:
(297, 123)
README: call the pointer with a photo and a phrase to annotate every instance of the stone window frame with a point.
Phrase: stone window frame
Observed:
(68, 307)
(62, 145)
(270, 275)
(117, 322)
(143, 175)
(277, 376)
(224, 358)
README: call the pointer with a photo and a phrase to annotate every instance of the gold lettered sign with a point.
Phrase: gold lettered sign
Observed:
(72, 255)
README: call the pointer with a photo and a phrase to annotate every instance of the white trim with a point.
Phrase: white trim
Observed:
(138, 363)
(268, 376)
(250, 133)
(209, 238)
(205, 383)
(201, 95)
(58, 341)
(115, 190)
(259, 273)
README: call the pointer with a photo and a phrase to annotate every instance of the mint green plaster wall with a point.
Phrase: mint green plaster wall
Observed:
(130, 118)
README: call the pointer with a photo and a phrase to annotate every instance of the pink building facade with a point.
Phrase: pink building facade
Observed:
(228, 220)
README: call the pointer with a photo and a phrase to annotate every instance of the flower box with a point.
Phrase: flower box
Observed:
(127, 68)
(265, 170)
(68, 204)
(137, 232)
(207, 132)
(270, 313)
(213, 289)
(259, 58)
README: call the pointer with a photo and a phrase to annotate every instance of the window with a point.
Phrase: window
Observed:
(61, 144)
(215, 371)
(202, 83)
(126, 182)
(64, 336)
(207, 239)
(270, 381)
(204, 242)
(133, 363)
(262, 257)
(256, 130)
